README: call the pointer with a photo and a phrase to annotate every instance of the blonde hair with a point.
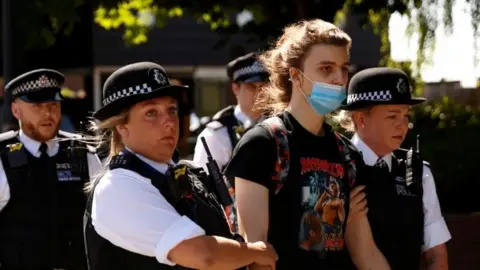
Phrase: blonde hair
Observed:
(108, 136)
(345, 120)
(289, 51)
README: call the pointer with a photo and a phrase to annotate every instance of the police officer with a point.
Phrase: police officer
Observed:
(149, 210)
(222, 134)
(404, 211)
(43, 171)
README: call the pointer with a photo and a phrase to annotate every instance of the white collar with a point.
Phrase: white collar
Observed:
(161, 167)
(33, 146)
(241, 116)
(369, 157)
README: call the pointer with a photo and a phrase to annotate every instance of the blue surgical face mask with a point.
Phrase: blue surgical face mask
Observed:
(325, 98)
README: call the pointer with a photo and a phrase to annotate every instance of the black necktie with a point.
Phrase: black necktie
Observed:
(43, 150)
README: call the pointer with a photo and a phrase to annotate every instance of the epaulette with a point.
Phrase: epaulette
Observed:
(188, 163)
(225, 112)
(8, 135)
(214, 125)
(225, 117)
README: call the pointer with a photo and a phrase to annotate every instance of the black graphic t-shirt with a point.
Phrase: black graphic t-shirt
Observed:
(307, 217)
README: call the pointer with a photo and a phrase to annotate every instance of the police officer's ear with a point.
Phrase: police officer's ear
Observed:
(296, 77)
(122, 130)
(236, 88)
(358, 118)
(15, 107)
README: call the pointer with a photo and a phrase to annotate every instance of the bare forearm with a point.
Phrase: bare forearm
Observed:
(370, 259)
(362, 248)
(230, 254)
(436, 258)
(212, 252)
(373, 260)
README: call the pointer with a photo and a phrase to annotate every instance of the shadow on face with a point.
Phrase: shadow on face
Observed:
(385, 126)
(152, 129)
(39, 121)
(325, 64)
(246, 94)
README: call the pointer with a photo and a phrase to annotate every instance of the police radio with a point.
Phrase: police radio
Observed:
(219, 186)
(414, 166)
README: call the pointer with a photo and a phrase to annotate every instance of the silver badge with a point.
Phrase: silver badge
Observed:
(402, 86)
(43, 81)
(159, 77)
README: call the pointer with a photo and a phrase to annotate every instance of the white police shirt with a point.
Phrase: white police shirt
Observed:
(131, 213)
(218, 142)
(32, 146)
(435, 228)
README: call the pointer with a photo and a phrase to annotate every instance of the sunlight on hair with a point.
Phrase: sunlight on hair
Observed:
(107, 135)
(289, 51)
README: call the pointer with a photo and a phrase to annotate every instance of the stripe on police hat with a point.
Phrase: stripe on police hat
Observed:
(250, 70)
(370, 96)
(42, 82)
(130, 91)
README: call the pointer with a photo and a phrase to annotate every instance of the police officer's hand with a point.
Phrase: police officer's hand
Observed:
(358, 203)
(267, 257)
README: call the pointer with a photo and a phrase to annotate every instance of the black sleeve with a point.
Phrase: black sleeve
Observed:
(254, 157)
(362, 174)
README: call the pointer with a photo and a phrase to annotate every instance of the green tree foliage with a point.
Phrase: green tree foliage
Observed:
(271, 15)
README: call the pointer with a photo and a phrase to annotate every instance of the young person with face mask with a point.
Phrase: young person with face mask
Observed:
(303, 211)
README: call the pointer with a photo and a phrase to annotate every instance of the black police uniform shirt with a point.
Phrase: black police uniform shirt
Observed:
(435, 229)
(131, 213)
(32, 146)
(307, 217)
(218, 141)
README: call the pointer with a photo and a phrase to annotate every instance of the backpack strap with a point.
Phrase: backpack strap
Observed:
(279, 132)
(350, 156)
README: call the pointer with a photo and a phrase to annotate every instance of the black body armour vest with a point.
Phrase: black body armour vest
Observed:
(41, 226)
(395, 214)
(188, 196)
(226, 118)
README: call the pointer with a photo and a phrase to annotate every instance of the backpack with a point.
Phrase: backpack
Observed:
(275, 126)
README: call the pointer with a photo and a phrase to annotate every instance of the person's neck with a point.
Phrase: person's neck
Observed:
(374, 146)
(307, 118)
(253, 116)
(149, 156)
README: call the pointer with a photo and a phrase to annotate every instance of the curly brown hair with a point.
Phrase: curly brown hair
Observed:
(290, 51)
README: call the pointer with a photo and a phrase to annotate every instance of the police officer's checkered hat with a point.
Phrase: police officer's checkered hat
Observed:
(135, 83)
(247, 69)
(40, 85)
(379, 86)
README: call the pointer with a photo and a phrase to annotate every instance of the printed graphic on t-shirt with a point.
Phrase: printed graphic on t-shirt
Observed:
(323, 203)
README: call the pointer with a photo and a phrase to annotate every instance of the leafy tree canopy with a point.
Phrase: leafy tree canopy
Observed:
(270, 16)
